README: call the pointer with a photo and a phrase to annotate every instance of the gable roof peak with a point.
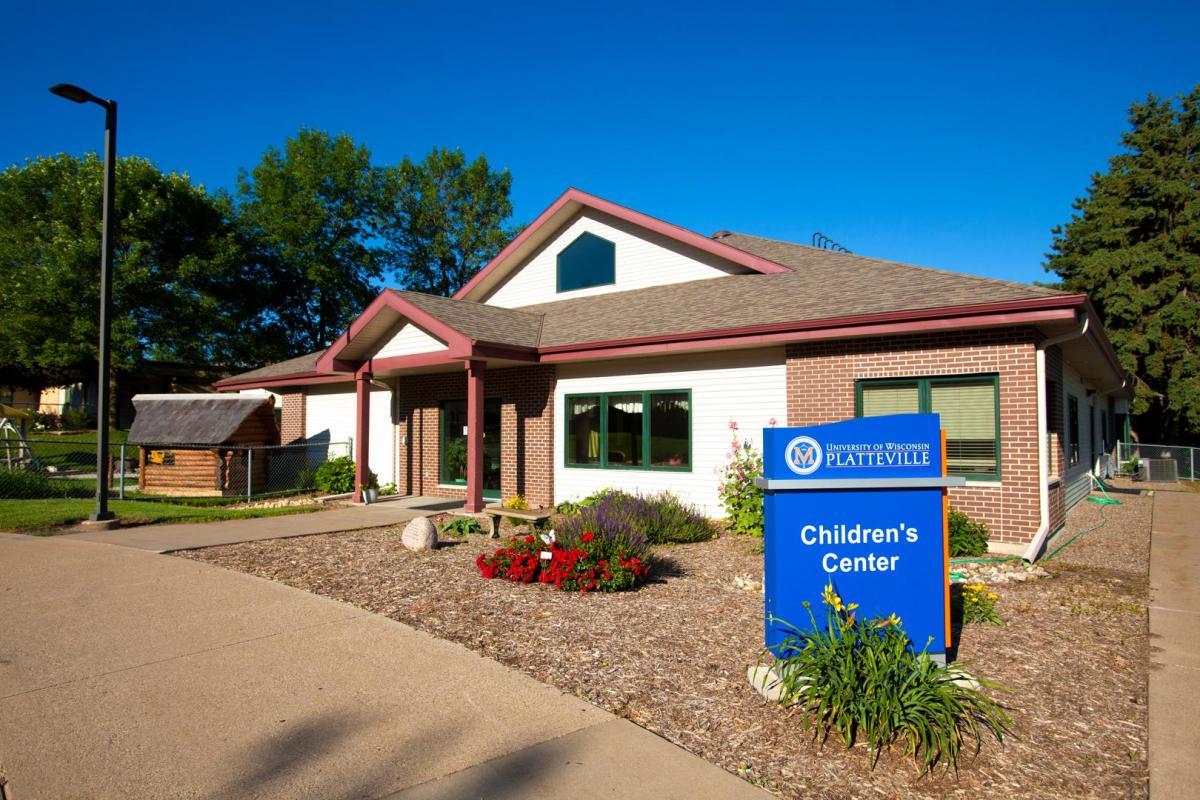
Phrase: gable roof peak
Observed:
(564, 209)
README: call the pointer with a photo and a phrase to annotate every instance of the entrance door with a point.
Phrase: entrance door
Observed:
(453, 449)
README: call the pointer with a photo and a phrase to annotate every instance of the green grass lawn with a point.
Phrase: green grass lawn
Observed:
(74, 452)
(43, 516)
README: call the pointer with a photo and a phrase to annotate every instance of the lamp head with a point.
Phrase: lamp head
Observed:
(73, 93)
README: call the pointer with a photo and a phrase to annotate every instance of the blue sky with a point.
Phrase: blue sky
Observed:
(952, 135)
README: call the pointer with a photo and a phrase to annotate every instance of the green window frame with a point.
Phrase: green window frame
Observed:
(587, 262)
(607, 446)
(924, 387)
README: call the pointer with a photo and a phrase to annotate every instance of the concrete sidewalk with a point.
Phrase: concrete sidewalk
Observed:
(129, 674)
(193, 535)
(1174, 644)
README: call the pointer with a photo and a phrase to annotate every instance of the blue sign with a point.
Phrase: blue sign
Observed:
(859, 505)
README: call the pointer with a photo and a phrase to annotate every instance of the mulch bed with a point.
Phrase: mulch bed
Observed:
(672, 656)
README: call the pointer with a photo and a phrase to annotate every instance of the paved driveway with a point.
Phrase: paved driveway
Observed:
(126, 674)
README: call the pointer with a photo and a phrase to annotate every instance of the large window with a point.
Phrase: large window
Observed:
(630, 430)
(586, 262)
(969, 409)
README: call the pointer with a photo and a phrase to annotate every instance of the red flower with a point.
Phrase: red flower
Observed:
(528, 540)
(587, 537)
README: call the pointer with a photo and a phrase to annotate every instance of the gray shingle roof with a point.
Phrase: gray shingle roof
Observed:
(194, 419)
(480, 322)
(293, 366)
(822, 284)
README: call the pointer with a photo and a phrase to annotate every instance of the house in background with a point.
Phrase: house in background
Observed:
(148, 377)
(606, 348)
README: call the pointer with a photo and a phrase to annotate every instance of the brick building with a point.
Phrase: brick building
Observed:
(604, 347)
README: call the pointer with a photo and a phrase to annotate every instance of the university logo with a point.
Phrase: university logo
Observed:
(803, 455)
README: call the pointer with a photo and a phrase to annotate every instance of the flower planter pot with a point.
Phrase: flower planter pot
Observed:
(370, 496)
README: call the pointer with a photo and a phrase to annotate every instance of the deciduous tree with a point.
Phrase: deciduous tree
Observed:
(176, 280)
(445, 219)
(307, 214)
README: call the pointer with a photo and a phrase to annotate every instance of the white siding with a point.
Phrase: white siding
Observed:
(409, 340)
(643, 259)
(746, 386)
(329, 416)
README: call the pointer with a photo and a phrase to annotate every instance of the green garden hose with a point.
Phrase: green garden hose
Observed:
(1106, 500)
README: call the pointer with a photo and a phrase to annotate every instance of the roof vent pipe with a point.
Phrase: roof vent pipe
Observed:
(1039, 538)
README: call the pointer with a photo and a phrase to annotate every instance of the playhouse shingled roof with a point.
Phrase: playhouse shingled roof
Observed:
(204, 419)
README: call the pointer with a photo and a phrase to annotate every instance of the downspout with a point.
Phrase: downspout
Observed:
(1039, 538)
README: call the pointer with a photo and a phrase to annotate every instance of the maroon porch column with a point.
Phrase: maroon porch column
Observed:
(362, 431)
(475, 370)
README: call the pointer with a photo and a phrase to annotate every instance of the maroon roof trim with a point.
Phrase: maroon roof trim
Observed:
(391, 299)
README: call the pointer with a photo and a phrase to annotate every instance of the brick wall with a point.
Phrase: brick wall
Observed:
(526, 430)
(821, 378)
(291, 419)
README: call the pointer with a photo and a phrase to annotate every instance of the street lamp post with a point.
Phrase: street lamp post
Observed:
(78, 95)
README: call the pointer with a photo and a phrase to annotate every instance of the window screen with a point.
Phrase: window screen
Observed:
(968, 412)
(880, 399)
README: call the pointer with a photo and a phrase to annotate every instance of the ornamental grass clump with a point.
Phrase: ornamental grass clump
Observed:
(639, 520)
(857, 679)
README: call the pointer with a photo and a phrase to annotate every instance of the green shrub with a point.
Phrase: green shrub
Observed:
(306, 478)
(743, 501)
(1130, 467)
(19, 484)
(336, 476)
(461, 526)
(575, 506)
(852, 678)
(388, 489)
(967, 537)
(76, 419)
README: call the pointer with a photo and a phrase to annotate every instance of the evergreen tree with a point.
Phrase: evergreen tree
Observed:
(1134, 247)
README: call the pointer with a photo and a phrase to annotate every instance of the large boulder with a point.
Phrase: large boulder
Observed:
(420, 534)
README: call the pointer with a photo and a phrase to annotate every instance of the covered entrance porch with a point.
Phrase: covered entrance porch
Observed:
(462, 417)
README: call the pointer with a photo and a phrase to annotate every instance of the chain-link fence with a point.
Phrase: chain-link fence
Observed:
(66, 467)
(1187, 459)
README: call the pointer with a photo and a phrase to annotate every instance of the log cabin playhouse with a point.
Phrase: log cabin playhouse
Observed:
(192, 445)
(606, 348)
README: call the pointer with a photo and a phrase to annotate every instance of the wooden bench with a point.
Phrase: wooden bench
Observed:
(534, 516)
(492, 513)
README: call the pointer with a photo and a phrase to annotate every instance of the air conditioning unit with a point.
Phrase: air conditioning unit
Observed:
(1158, 470)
